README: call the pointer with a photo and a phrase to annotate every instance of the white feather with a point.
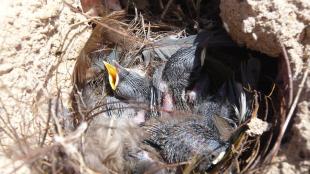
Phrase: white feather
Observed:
(242, 110)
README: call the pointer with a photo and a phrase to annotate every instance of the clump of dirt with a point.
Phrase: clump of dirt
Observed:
(265, 25)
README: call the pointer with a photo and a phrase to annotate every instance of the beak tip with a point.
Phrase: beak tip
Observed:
(105, 63)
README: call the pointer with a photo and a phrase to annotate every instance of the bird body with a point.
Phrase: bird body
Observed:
(184, 138)
(179, 67)
(114, 108)
(214, 106)
(205, 134)
(185, 76)
(179, 72)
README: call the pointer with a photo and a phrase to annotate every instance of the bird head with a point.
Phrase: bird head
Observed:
(127, 83)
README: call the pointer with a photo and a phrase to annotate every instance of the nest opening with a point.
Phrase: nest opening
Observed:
(272, 92)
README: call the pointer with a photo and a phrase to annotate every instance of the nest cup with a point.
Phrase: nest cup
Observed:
(250, 153)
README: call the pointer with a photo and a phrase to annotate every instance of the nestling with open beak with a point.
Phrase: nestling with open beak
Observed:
(127, 83)
(130, 86)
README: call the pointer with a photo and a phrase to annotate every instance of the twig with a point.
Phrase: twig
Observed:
(289, 75)
(47, 122)
(276, 147)
(166, 9)
(57, 125)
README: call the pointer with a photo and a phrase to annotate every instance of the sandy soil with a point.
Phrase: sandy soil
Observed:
(265, 25)
(39, 43)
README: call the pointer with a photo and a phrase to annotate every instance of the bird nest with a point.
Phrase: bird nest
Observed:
(133, 39)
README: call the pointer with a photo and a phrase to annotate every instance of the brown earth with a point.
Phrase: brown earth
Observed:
(36, 60)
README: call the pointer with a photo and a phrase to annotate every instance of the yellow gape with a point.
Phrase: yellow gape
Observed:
(113, 75)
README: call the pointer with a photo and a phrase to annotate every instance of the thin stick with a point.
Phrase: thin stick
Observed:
(166, 9)
(47, 122)
(289, 75)
(274, 151)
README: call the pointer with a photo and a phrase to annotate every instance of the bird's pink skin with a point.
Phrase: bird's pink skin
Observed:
(140, 118)
(167, 102)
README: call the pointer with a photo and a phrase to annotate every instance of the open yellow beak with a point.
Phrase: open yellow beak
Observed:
(113, 75)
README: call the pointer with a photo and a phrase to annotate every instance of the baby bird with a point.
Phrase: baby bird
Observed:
(132, 87)
(181, 139)
(184, 78)
(128, 84)
(176, 75)
(178, 69)
(206, 135)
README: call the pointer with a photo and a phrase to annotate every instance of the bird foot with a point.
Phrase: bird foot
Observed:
(191, 96)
